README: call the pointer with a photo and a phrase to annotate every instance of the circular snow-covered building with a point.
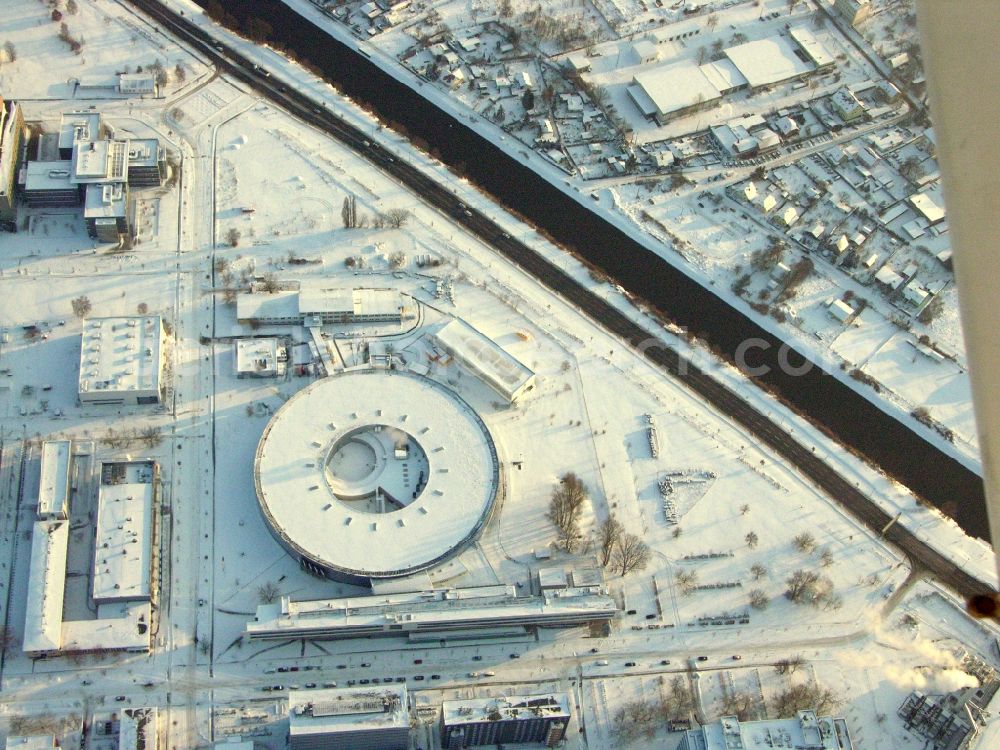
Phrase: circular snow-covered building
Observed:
(375, 474)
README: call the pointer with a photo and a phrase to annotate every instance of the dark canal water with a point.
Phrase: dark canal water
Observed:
(855, 422)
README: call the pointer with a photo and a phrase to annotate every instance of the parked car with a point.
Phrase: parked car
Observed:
(630, 664)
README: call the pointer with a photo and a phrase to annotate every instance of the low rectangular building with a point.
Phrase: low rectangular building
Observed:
(259, 358)
(812, 47)
(447, 613)
(48, 184)
(108, 211)
(313, 306)
(847, 106)
(137, 84)
(277, 308)
(487, 359)
(121, 361)
(807, 731)
(505, 720)
(147, 166)
(358, 718)
(101, 161)
(46, 588)
(350, 305)
(667, 91)
(765, 62)
(79, 126)
(123, 554)
(929, 204)
(54, 480)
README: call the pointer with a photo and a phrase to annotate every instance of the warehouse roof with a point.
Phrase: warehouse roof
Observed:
(46, 586)
(53, 484)
(676, 87)
(122, 558)
(121, 354)
(767, 61)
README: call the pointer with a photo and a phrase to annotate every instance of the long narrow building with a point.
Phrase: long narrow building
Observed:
(443, 613)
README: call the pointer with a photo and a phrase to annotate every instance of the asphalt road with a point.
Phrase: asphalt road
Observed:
(718, 395)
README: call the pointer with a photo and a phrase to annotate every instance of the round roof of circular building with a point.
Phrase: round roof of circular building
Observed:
(376, 473)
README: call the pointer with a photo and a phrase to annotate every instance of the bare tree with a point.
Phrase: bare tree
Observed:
(233, 236)
(758, 571)
(565, 507)
(635, 719)
(159, 73)
(686, 580)
(11, 51)
(81, 306)
(397, 259)
(758, 599)
(789, 666)
(826, 558)
(180, 73)
(805, 542)
(744, 509)
(800, 583)
(740, 705)
(71, 7)
(268, 592)
(681, 696)
(807, 587)
(349, 212)
(607, 537)
(151, 435)
(396, 217)
(631, 553)
(751, 539)
(805, 696)
(270, 283)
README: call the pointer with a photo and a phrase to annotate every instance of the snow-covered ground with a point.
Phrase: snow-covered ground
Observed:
(588, 414)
